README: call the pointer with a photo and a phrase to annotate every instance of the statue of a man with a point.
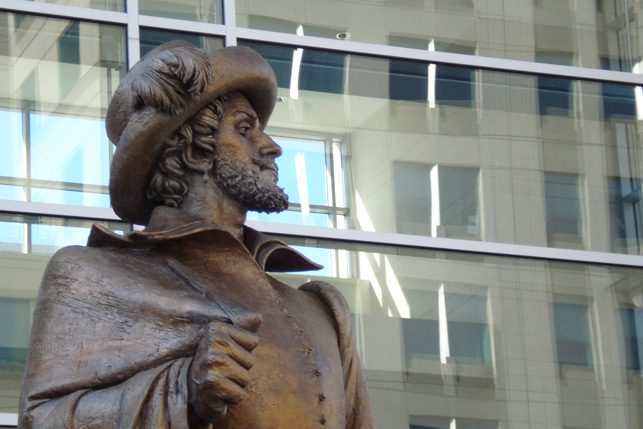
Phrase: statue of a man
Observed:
(178, 325)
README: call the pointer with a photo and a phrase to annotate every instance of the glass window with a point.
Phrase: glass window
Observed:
(564, 218)
(111, 5)
(483, 333)
(573, 343)
(625, 214)
(60, 75)
(590, 33)
(190, 10)
(555, 96)
(311, 170)
(440, 201)
(510, 164)
(618, 101)
(151, 38)
(632, 322)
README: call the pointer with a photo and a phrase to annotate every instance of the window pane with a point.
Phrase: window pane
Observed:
(26, 244)
(562, 205)
(485, 334)
(572, 334)
(511, 159)
(190, 10)
(598, 34)
(60, 75)
(112, 5)
(151, 38)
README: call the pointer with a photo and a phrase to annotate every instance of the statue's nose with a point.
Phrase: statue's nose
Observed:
(269, 148)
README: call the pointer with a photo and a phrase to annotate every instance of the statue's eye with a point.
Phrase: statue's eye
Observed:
(243, 128)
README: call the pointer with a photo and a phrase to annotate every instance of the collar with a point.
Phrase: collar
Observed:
(172, 224)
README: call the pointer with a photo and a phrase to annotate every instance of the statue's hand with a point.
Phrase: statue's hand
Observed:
(219, 371)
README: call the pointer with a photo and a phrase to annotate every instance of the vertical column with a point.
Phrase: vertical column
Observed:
(133, 37)
(230, 22)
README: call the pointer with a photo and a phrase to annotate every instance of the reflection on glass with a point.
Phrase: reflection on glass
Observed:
(440, 201)
(632, 320)
(573, 345)
(59, 75)
(190, 10)
(626, 219)
(111, 5)
(460, 152)
(151, 38)
(312, 174)
(26, 244)
(489, 334)
(563, 211)
(601, 34)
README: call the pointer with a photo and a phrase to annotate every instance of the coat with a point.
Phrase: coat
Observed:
(117, 323)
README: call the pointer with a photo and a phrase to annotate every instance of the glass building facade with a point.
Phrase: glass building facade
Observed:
(467, 171)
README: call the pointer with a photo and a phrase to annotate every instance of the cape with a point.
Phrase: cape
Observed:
(117, 323)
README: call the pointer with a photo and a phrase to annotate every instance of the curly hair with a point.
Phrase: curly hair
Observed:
(168, 184)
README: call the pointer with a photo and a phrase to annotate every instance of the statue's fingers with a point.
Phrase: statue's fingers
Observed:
(228, 390)
(244, 338)
(235, 372)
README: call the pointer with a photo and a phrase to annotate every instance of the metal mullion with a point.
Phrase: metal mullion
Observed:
(182, 25)
(63, 11)
(26, 129)
(469, 61)
(133, 34)
(230, 22)
(8, 419)
(58, 210)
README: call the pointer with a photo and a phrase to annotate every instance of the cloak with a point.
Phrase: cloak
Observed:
(117, 323)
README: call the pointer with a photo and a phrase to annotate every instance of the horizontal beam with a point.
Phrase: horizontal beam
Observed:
(471, 61)
(8, 419)
(448, 244)
(63, 11)
(356, 236)
(58, 210)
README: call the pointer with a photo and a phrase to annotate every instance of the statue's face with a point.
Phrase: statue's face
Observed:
(244, 166)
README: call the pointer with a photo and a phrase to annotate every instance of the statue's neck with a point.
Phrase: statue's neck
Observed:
(208, 201)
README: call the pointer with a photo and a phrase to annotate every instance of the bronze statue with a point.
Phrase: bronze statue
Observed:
(178, 325)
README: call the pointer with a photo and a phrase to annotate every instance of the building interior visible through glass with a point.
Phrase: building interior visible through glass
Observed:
(389, 145)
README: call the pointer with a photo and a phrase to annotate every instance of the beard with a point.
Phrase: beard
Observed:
(242, 181)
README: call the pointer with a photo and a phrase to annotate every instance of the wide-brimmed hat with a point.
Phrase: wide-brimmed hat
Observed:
(160, 93)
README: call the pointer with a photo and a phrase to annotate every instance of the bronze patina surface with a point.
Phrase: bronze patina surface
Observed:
(178, 325)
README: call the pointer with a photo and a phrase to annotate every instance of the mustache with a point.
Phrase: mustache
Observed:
(265, 163)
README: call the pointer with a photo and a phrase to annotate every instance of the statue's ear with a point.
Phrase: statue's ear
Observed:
(202, 164)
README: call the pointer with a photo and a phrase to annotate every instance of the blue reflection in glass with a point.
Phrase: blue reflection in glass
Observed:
(12, 236)
(59, 196)
(12, 192)
(12, 161)
(292, 217)
(319, 256)
(69, 149)
(313, 153)
(49, 238)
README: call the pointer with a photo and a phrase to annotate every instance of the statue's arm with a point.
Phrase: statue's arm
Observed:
(358, 409)
(154, 398)
(93, 359)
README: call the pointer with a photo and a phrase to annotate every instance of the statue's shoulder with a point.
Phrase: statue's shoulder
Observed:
(76, 256)
(332, 299)
(73, 265)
